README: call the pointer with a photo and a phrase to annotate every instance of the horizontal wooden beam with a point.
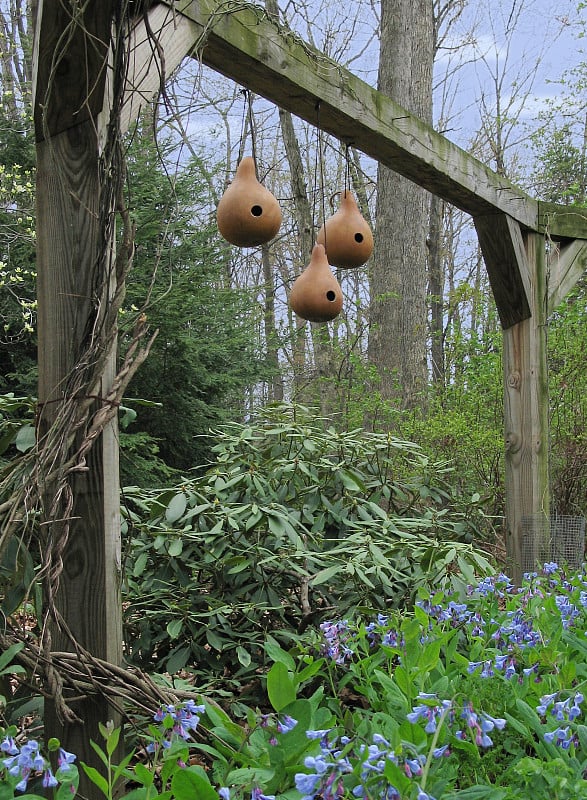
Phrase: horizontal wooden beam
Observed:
(156, 45)
(249, 47)
(562, 222)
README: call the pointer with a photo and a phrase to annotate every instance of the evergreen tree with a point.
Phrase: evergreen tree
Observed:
(206, 355)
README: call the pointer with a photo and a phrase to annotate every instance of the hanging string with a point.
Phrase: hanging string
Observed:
(320, 157)
(252, 129)
(248, 123)
(243, 135)
(347, 170)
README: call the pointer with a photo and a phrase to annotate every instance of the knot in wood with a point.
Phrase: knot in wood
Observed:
(512, 442)
(514, 380)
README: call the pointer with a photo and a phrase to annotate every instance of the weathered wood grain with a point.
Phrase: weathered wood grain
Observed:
(68, 195)
(70, 68)
(502, 245)
(526, 411)
(156, 48)
(70, 56)
(567, 263)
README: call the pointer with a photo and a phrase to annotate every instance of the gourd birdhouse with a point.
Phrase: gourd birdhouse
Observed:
(346, 235)
(248, 214)
(316, 294)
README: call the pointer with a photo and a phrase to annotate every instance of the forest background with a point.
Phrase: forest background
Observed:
(415, 352)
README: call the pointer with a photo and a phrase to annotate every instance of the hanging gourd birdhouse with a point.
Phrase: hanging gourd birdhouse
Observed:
(248, 214)
(316, 294)
(346, 235)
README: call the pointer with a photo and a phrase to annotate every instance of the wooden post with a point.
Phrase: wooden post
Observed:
(72, 249)
(526, 411)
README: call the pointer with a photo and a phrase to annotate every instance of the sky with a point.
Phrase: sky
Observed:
(517, 45)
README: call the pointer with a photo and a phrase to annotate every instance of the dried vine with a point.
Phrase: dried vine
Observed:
(39, 486)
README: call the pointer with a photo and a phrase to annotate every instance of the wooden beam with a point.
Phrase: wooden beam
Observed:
(249, 47)
(68, 210)
(156, 47)
(526, 414)
(562, 222)
(70, 52)
(567, 263)
(502, 245)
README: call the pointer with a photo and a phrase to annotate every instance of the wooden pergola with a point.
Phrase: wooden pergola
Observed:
(534, 252)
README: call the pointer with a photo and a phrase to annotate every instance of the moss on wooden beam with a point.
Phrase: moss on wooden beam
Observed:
(241, 41)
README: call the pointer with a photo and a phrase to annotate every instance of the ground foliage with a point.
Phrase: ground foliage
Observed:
(469, 695)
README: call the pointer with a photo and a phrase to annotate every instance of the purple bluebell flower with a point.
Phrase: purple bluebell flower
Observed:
(8, 746)
(286, 724)
(257, 794)
(64, 759)
(49, 780)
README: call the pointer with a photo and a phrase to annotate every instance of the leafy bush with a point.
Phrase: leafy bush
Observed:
(294, 520)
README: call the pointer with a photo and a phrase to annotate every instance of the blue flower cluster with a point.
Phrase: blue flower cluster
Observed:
(256, 794)
(176, 721)
(563, 711)
(325, 778)
(379, 633)
(336, 635)
(434, 712)
(27, 761)
(279, 723)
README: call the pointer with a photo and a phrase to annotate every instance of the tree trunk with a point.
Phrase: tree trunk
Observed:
(397, 342)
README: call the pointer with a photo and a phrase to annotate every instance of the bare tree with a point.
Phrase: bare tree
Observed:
(397, 339)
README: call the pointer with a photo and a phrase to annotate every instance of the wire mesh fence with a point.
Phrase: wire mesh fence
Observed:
(559, 538)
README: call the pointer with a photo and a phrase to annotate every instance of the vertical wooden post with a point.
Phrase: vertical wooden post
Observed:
(526, 410)
(73, 248)
(67, 243)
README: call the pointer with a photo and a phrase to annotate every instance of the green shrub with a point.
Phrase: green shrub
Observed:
(294, 520)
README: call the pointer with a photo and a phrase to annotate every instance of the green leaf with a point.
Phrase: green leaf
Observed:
(324, 575)
(243, 656)
(140, 564)
(351, 481)
(96, 778)
(25, 438)
(174, 628)
(7, 656)
(189, 784)
(478, 792)
(281, 686)
(143, 775)
(112, 741)
(175, 547)
(178, 659)
(276, 653)
(246, 776)
(214, 640)
(176, 507)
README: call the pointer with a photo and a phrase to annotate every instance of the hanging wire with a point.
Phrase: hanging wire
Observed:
(252, 129)
(248, 125)
(347, 169)
(243, 135)
(320, 158)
